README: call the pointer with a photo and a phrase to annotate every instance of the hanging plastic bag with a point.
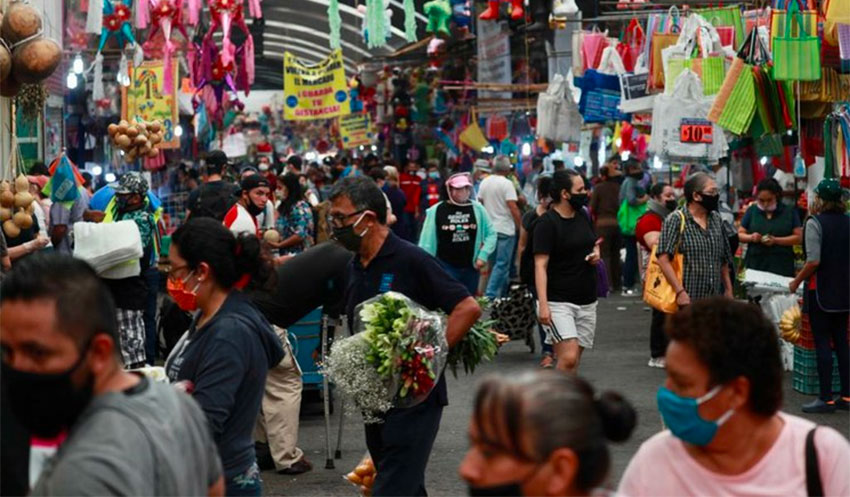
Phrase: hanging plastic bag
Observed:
(547, 107)
(837, 12)
(472, 136)
(726, 16)
(681, 129)
(797, 57)
(735, 103)
(632, 45)
(779, 18)
(593, 43)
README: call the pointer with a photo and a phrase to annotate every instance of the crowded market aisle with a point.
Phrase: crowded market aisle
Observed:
(617, 362)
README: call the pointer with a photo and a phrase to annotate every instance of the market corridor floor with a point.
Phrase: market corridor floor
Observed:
(617, 362)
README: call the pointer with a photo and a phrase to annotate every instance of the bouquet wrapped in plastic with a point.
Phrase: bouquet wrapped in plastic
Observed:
(395, 357)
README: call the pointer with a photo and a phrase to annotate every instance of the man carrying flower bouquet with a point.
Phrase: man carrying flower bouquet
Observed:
(383, 262)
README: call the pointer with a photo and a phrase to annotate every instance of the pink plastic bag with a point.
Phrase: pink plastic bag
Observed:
(592, 45)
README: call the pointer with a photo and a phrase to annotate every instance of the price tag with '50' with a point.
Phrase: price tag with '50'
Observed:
(696, 131)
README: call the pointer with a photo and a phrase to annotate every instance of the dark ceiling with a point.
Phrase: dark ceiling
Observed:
(301, 27)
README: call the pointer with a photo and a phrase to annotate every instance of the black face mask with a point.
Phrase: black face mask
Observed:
(710, 202)
(578, 201)
(506, 490)
(253, 209)
(637, 175)
(46, 404)
(346, 236)
(671, 205)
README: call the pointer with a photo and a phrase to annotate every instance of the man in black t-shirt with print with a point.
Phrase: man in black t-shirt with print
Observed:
(401, 445)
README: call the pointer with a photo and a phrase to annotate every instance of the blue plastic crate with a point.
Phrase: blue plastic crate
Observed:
(304, 336)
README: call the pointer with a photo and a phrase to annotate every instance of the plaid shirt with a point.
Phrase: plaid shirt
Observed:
(706, 251)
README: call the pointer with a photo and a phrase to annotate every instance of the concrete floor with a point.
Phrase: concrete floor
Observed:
(618, 362)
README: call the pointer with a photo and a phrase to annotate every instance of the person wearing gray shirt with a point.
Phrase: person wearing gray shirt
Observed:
(62, 373)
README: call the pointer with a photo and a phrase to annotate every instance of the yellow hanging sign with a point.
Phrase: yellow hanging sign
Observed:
(356, 130)
(143, 100)
(314, 92)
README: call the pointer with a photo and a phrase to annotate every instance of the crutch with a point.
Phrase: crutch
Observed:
(329, 462)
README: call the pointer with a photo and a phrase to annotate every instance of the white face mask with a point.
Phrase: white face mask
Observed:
(264, 167)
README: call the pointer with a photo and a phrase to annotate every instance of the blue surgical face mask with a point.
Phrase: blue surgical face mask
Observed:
(434, 175)
(681, 415)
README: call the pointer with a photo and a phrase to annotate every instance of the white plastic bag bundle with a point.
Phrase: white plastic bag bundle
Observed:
(686, 106)
(557, 113)
(112, 249)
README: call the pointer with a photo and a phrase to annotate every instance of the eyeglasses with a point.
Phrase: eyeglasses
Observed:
(172, 271)
(338, 220)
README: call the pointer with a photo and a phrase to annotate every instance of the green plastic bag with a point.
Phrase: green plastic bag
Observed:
(737, 114)
(713, 73)
(796, 58)
(726, 16)
(628, 215)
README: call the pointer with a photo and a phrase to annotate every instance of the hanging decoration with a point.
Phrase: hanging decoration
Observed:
(409, 21)
(492, 12)
(439, 12)
(462, 16)
(115, 17)
(377, 22)
(335, 23)
(225, 67)
(166, 15)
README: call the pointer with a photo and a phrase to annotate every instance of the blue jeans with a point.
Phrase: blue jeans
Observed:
(152, 281)
(467, 276)
(502, 260)
(247, 483)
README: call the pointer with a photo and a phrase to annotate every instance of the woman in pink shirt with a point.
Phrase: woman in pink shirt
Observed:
(542, 433)
(721, 404)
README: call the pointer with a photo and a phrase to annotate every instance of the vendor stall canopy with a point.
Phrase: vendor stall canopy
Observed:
(301, 27)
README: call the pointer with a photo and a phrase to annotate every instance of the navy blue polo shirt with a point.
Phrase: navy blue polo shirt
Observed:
(405, 268)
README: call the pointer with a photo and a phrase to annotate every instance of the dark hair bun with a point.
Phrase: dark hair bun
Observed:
(617, 414)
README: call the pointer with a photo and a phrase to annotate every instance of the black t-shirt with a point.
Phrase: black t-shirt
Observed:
(212, 199)
(526, 263)
(403, 267)
(313, 278)
(456, 231)
(567, 242)
(25, 236)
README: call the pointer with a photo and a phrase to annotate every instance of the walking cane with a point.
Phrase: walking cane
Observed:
(338, 452)
(329, 462)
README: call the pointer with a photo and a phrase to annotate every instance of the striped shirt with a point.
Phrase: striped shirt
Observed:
(705, 251)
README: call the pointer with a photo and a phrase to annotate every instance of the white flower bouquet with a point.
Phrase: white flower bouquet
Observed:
(395, 358)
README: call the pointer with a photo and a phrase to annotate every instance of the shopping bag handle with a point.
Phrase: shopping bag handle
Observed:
(794, 10)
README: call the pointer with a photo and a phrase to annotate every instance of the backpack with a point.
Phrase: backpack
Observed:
(213, 203)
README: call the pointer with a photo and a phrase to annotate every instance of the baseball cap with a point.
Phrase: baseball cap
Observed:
(216, 158)
(253, 181)
(460, 180)
(482, 165)
(130, 182)
(829, 189)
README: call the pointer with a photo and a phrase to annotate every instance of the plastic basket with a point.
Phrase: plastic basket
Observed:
(805, 375)
(809, 385)
(807, 340)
